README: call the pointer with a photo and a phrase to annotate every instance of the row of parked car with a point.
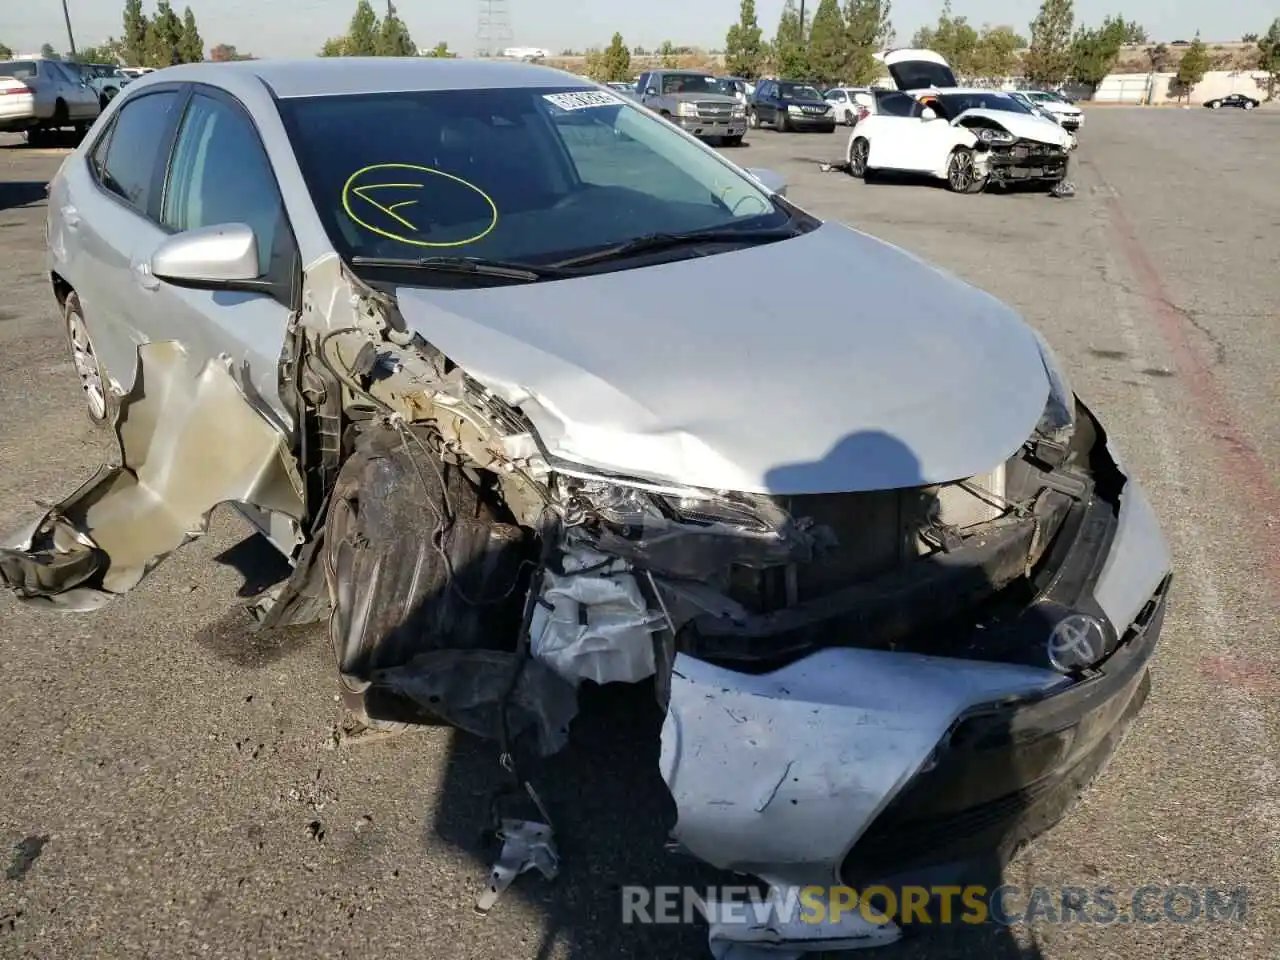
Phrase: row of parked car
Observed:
(40, 96)
(725, 107)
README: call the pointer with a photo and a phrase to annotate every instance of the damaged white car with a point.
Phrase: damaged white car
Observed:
(972, 138)
(467, 341)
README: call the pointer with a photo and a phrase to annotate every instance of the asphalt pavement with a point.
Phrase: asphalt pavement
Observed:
(172, 784)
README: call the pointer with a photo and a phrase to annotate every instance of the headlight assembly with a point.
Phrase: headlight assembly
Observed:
(686, 110)
(988, 135)
(795, 111)
(739, 112)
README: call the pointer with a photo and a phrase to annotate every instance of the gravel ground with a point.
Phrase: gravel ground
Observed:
(173, 786)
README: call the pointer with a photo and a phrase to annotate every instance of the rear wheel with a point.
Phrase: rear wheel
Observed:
(753, 120)
(962, 174)
(859, 150)
(848, 118)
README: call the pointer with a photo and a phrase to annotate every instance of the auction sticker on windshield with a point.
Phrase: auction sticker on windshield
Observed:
(582, 100)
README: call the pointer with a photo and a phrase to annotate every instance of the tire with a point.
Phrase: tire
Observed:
(100, 403)
(780, 122)
(859, 151)
(961, 176)
(1248, 106)
(830, 129)
(1215, 106)
(61, 117)
(753, 120)
(848, 118)
(733, 141)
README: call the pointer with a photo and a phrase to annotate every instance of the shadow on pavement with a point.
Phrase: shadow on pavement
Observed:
(20, 193)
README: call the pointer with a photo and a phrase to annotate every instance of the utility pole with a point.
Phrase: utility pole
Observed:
(66, 15)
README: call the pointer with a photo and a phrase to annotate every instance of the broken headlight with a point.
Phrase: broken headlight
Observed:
(1058, 422)
(988, 135)
(635, 509)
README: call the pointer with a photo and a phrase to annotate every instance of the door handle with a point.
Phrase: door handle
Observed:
(143, 276)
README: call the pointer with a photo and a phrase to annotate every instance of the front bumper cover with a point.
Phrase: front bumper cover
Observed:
(824, 770)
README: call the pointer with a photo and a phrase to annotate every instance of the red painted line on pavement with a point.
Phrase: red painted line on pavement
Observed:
(1244, 471)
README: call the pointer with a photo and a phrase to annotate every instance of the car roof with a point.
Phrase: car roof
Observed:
(346, 76)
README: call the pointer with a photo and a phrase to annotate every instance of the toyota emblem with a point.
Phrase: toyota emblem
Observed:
(1075, 642)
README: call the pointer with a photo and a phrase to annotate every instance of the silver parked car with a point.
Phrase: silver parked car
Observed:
(469, 342)
(38, 96)
(695, 101)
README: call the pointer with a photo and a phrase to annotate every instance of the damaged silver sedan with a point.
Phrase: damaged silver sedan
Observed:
(469, 343)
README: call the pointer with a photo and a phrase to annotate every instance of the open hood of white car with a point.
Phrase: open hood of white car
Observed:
(830, 362)
(917, 69)
(1024, 125)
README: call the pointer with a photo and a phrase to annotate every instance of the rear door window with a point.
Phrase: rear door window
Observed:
(138, 148)
(895, 104)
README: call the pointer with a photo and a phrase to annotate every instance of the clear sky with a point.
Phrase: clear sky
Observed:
(298, 27)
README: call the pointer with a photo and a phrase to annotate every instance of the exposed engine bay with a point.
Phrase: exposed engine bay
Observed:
(469, 576)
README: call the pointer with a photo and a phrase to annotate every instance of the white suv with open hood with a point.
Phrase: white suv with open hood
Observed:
(972, 138)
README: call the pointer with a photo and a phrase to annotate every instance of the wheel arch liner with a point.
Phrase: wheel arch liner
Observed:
(189, 440)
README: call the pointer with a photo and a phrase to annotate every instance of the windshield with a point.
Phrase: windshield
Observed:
(799, 91)
(529, 174)
(690, 83)
(955, 104)
(20, 69)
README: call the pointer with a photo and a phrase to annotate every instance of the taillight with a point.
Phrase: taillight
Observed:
(15, 90)
(863, 113)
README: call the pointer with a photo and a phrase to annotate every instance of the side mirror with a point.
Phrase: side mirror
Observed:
(217, 257)
(928, 114)
(651, 92)
(772, 181)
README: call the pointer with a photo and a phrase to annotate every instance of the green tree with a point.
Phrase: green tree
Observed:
(668, 54)
(953, 38)
(164, 37)
(393, 36)
(47, 51)
(1157, 57)
(6, 53)
(996, 54)
(1094, 51)
(744, 48)
(441, 51)
(1048, 60)
(362, 33)
(136, 26)
(827, 52)
(790, 56)
(227, 52)
(867, 30)
(1269, 57)
(334, 47)
(190, 44)
(615, 62)
(1191, 69)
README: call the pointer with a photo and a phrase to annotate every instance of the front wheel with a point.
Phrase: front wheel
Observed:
(859, 150)
(1248, 106)
(962, 173)
(733, 141)
(1214, 106)
(780, 123)
(99, 402)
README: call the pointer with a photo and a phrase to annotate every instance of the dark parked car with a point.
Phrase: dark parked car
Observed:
(790, 105)
(1232, 100)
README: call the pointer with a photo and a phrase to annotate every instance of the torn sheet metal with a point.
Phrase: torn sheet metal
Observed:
(778, 774)
(593, 623)
(189, 441)
(525, 846)
(778, 927)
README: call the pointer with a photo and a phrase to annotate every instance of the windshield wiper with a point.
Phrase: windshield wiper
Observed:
(474, 266)
(666, 241)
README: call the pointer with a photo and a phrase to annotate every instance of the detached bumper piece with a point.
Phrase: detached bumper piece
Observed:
(1026, 161)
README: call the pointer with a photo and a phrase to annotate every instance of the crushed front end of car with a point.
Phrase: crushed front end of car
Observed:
(1026, 161)
(903, 678)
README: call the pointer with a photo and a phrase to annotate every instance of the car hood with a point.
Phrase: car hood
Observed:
(1024, 125)
(694, 373)
(1066, 109)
